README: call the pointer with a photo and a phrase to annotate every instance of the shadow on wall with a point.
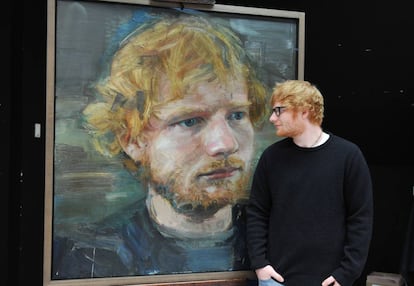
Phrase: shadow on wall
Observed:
(392, 246)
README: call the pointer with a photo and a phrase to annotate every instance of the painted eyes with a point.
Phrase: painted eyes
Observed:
(190, 122)
(197, 121)
(238, 115)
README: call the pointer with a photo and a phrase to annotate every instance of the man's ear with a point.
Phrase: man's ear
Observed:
(134, 149)
(305, 113)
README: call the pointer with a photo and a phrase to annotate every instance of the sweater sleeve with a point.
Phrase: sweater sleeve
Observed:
(257, 212)
(359, 218)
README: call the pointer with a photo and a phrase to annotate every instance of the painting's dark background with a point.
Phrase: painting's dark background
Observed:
(360, 54)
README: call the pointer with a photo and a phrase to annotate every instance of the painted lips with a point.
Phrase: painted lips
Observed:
(221, 173)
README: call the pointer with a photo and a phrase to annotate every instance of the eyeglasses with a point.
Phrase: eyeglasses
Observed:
(278, 110)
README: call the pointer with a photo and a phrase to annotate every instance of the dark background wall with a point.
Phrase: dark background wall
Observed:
(359, 53)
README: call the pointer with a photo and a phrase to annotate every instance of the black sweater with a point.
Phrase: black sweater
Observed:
(310, 212)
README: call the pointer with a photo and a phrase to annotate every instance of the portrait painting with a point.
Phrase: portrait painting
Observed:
(157, 115)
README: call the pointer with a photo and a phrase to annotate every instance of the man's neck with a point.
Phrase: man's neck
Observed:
(174, 224)
(312, 136)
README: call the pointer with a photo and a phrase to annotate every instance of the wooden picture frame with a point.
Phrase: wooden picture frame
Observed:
(88, 194)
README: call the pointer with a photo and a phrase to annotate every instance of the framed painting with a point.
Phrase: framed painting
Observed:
(156, 116)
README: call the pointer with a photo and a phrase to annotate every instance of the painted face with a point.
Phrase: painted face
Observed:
(199, 147)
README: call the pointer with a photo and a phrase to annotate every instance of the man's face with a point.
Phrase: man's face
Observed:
(288, 123)
(199, 147)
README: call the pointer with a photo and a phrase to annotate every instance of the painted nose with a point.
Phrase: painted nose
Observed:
(219, 139)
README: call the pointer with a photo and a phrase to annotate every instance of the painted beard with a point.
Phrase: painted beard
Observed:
(212, 187)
